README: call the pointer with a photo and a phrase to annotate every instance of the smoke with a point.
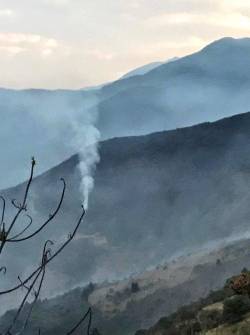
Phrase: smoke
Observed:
(85, 142)
(76, 120)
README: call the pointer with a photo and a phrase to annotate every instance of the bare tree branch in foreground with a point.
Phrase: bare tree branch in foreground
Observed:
(33, 283)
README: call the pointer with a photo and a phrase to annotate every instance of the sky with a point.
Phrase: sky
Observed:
(78, 43)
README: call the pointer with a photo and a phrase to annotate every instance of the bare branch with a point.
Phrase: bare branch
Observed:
(37, 293)
(23, 285)
(23, 302)
(23, 231)
(3, 269)
(3, 212)
(33, 283)
(16, 204)
(51, 217)
(50, 259)
(88, 313)
(22, 207)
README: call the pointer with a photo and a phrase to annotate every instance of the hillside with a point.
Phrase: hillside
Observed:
(169, 193)
(146, 68)
(205, 86)
(222, 312)
(122, 307)
(141, 70)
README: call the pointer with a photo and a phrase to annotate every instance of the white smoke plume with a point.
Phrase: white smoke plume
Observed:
(64, 122)
(73, 121)
(82, 116)
(86, 141)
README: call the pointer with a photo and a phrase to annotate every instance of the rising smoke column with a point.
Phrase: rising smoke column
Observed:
(87, 137)
(85, 142)
(70, 117)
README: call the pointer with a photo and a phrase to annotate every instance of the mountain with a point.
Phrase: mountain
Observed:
(146, 68)
(205, 86)
(142, 70)
(167, 193)
(137, 302)
(222, 312)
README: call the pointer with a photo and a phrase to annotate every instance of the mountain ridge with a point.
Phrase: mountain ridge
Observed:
(204, 86)
(162, 290)
(196, 176)
(132, 138)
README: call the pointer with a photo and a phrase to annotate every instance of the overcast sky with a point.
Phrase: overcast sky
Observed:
(76, 43)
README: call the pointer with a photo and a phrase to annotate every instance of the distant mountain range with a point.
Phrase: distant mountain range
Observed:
(146, 68)
(205, 86)
(155, 196)
(142, 70)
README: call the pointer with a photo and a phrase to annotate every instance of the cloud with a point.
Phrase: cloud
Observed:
(13, 50)
(239, 4)
(15, 43)
(226, 19)
(6, 12)
(91, 41)
(162, 48)
(57, 2)
(101, 55)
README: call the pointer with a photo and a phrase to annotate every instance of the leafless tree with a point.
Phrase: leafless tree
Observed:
(33, 283)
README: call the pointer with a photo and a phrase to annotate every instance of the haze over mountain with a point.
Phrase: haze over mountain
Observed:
(167, 193)
(146, 68)
(120, 310)
(142, 70)
(205, 86)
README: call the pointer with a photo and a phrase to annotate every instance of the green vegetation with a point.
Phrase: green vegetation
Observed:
(235, 307)
(222, 312)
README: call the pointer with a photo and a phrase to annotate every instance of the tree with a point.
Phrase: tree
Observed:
(33, 283)
(235, 307)
(135, 287)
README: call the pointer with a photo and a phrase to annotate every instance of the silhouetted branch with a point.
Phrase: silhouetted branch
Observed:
(36, 278)
(23, 231)
(50, 259)
(3, 269)
(23, 285)
(23, 302)
(37, 293)
(88, 313)
(17, 205)
(21, 208)
(51, 217)
(3, 212)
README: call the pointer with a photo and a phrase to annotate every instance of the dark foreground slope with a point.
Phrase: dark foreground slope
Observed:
(120, 310)
(155, 196)
(222, 312)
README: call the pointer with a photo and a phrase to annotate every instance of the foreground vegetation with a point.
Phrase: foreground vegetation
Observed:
(223, 312)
